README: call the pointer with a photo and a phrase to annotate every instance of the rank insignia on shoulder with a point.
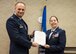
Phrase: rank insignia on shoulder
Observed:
(11, 17)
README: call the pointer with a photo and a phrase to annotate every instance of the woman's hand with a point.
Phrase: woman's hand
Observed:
(46, 46)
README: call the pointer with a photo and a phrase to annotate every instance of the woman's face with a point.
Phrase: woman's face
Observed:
(53, 22)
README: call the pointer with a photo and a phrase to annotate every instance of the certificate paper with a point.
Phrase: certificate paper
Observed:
(40, 37)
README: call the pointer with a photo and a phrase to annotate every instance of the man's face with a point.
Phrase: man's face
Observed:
(20, 9)
(53, 22)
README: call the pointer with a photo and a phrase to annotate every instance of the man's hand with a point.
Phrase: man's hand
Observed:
(34, 44)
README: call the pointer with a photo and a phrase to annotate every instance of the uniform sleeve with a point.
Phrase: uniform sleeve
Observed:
(15, 35)
(62, 43)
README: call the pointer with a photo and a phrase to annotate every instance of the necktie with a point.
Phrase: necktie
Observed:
(51, 34)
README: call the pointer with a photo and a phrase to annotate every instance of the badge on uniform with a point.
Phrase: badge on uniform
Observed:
(21, 26)
(55, 35)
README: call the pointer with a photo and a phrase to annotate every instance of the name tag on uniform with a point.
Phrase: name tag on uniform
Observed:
(21, 26)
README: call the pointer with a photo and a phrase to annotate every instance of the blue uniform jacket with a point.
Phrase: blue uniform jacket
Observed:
(57, 41)
(18, 33)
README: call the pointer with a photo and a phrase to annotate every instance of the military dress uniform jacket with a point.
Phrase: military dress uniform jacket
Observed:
(57, 41)
(18, 33)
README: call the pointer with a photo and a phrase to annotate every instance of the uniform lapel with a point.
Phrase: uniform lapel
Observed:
(53, 33)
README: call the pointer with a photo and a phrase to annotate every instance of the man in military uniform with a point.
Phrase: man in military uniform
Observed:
(18, 31)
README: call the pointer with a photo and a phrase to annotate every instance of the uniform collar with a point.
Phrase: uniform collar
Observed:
(16, 17)
(54, 29)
